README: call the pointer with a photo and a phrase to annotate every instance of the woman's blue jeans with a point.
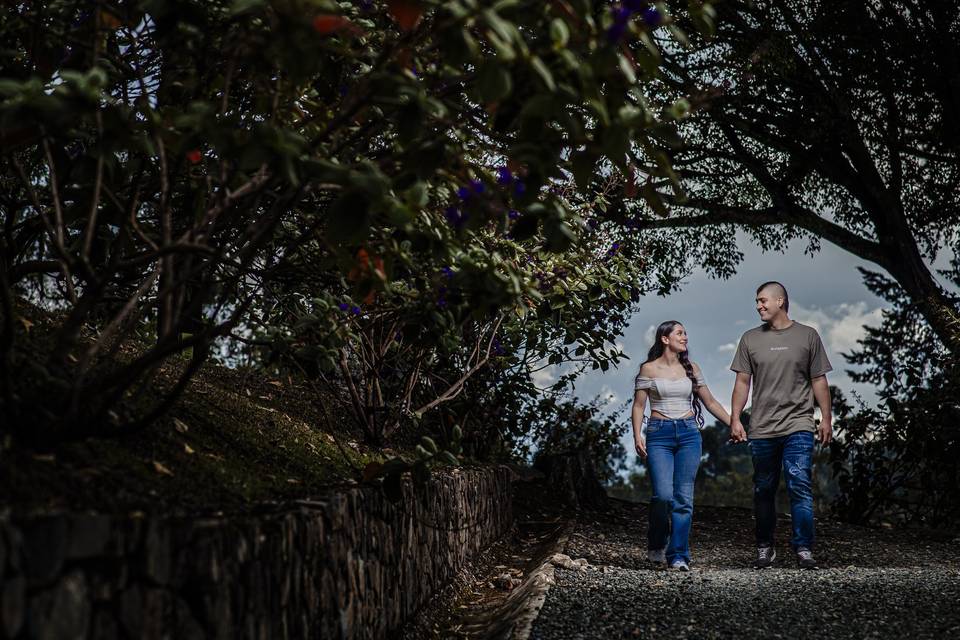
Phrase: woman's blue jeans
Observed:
(673, 458)
(793, 454)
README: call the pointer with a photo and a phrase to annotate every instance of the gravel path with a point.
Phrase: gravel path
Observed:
(871, 584)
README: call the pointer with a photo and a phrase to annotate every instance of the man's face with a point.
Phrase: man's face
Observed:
(768, 304)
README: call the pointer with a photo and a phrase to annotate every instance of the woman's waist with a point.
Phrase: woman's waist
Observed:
(656, 416)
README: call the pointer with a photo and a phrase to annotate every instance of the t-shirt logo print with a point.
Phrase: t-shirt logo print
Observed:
(779, 348)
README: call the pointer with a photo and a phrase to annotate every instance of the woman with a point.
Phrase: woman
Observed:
(671, 442)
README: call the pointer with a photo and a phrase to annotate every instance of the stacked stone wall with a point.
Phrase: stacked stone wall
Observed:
(347, 565)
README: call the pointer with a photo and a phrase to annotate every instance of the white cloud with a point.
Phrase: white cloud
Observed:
(729, 347)
(608, 396)
(544, 377)
(840, 326)
(649, 335)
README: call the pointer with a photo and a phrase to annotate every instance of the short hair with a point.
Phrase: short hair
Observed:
(774, 283)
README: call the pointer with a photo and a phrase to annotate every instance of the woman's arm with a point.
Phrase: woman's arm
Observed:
(636, 417)
(709, 402)
(712, 405)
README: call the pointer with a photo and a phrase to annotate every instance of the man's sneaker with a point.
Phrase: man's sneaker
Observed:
(680, 565)
(805, 559)
(658, 556)
(765, 557)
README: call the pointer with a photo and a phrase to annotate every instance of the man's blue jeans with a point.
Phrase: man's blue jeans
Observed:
(673, 457)
(794, 454)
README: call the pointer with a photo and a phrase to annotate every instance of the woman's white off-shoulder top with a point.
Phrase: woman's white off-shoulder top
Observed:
(670, 397)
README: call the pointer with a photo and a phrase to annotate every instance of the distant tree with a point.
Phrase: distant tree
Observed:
(899, 462)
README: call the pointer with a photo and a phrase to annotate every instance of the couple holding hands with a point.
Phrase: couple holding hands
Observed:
(786, 363)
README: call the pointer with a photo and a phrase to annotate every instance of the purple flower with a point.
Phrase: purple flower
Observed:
(413, 70)
(343, 90)
(343, 306)
(464, 193)
(477, 186)
(616, 31)
(455, 216)
(513, 214)
(592, 223)
(621, 15)
(519, 188)
(355, 310)
(504, 176)
(652, 17)
(447, 271)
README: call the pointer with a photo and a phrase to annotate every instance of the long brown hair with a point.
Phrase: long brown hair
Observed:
(665, 329)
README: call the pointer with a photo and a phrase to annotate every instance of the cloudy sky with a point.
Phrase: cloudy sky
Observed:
(826, 292)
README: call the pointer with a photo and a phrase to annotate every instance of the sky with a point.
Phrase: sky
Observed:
(826, 292)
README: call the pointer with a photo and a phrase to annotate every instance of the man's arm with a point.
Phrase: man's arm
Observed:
(821, 393)
(741, 389)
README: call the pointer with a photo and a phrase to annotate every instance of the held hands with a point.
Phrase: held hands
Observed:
(737, 432)
(825, 432)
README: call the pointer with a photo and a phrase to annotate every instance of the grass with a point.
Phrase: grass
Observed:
(233, 440)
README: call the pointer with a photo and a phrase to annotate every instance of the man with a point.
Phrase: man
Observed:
(788, 366)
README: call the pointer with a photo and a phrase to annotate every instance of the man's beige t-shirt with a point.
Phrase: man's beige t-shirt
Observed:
(782, 363)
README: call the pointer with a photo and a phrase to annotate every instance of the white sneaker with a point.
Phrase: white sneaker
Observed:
(659, 556)
(680, 565)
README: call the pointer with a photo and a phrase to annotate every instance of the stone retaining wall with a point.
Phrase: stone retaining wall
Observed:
(349, 565)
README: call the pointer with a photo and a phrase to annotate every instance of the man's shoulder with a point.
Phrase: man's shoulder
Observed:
(806, 329)
(750, 334)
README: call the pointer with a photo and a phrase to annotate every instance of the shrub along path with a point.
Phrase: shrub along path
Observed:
(872, 583)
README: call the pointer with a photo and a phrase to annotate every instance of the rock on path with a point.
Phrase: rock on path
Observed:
(872, 584)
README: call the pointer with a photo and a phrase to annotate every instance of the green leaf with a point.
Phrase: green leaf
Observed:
(627, 68)
(559, 33)
(505, 52)
(429, 444)
(457, 433)
(544, 72)
(449, 458)
(494, 82)
(243, 6)
(680, 109)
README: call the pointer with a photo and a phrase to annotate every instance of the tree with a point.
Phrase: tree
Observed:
(898, 462)
(184, 174)
(831, 121)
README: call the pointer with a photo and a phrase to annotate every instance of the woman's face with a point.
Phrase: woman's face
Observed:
(676, 340)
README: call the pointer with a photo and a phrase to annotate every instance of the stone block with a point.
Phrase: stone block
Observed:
(90, 536)
(3, 553)
(157, 552)
(62, 612)
(13, 605)
(44, 548)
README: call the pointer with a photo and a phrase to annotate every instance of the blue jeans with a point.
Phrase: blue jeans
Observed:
(794, 454)
(673, 457)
